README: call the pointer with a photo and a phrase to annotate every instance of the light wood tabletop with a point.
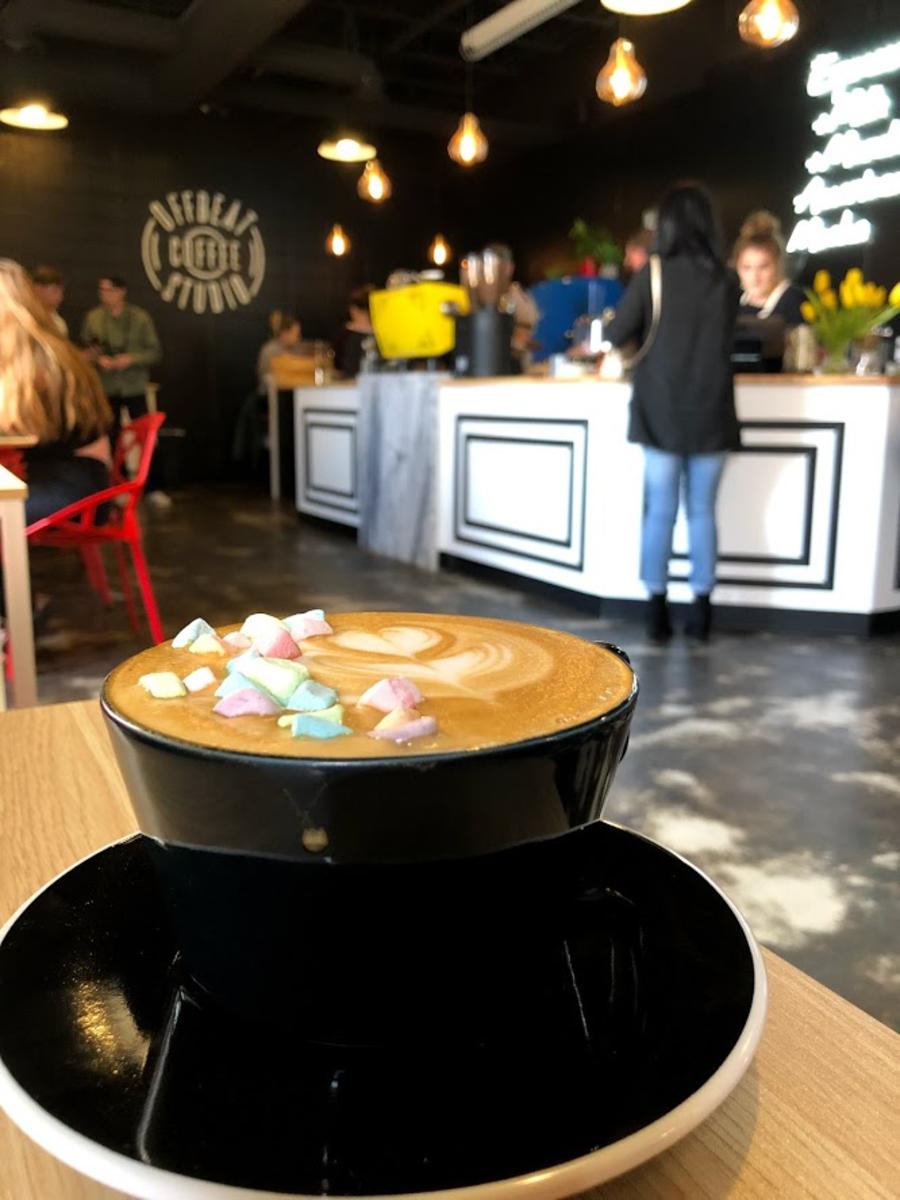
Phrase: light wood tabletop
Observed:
(817, 1117)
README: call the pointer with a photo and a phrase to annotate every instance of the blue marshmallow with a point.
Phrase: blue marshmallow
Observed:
(315, 727)
(310, 696)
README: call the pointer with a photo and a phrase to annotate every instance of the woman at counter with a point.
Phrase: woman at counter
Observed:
(682, 406)
(285, 339)
(759, 262)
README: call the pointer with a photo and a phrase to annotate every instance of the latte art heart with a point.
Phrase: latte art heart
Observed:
(459, 660)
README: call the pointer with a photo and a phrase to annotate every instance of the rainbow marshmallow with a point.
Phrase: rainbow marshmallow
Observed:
(388, 694)
(191, 632)
(246, 702)
(202, 678)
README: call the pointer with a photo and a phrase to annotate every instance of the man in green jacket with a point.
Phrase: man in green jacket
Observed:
(121, 341)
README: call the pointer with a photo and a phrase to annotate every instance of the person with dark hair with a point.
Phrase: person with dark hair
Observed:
(682, 406)
(50, 287)
(357, 327)
(122, 343)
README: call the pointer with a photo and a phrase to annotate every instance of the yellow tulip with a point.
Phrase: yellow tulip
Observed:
(848, 299)
(829, 300)
(809, 313)
(854, 276)
(879, 296)
(822, 282)
(894, 297)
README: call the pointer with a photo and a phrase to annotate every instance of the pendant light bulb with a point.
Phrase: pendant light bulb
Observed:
(337, 242)
(439, 251)
(643, 8)
(374, 184)
(622, 78)
(33, 115)
(768, 23)
(346, 148)
(468, 145)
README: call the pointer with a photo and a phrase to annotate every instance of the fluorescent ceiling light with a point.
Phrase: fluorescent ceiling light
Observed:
(33, 116)
(509, 23)
(347, 148)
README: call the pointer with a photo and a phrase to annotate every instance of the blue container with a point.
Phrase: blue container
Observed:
(562, 301)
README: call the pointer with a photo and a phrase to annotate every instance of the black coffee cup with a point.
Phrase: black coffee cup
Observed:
(364, 899)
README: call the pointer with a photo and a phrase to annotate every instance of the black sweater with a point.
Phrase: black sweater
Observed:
(683, 391)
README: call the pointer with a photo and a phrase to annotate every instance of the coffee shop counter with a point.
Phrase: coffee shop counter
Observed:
(536, 478)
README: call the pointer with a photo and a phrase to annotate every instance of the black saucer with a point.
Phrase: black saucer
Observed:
(108, 1062)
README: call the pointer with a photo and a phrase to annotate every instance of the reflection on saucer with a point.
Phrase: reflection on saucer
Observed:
(643, 1020)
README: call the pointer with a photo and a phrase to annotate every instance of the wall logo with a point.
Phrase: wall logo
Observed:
(203, 251)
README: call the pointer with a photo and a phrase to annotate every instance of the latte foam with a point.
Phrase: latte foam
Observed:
(486, 682)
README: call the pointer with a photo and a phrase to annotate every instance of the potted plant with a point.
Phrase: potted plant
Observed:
(840, 320)
(596, 248)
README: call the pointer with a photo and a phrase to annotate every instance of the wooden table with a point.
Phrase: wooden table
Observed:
(817, 1117)
(17, 581)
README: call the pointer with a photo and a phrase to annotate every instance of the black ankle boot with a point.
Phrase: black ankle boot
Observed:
(700, 619)
(659, 626)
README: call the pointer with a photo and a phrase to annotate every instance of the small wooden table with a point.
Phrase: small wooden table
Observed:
(17, 581)
(817, 1117)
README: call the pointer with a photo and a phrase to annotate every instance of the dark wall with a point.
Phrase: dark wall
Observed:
(79, 200)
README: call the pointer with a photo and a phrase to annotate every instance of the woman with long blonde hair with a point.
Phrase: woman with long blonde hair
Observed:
(48, 389)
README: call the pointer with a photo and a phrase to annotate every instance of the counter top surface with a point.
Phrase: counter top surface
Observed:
(814, 1118)
(816, 381)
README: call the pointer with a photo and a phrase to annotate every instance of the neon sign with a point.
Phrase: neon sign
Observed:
(853, 108)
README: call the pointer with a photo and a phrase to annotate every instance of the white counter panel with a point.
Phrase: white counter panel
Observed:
(808, 509)
(325, 421)
(537, 478)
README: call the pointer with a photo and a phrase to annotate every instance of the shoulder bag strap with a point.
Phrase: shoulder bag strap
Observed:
(655, 268)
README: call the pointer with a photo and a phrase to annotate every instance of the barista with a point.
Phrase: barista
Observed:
(759, 262)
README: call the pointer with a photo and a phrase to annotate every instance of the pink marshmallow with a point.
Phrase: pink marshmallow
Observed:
(405, 733)
(246, 702)
(278, 644)
(239, 641)
(388, 694)
(307, 627)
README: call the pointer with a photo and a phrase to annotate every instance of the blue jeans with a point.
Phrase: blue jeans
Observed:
(663, 475)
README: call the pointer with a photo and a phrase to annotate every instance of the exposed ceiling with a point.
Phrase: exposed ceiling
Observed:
(389, 64)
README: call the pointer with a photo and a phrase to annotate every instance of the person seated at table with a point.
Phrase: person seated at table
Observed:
(49, 390)
(285, 339)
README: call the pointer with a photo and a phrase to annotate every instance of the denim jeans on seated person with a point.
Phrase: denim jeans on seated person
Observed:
(663, 475)
(54, 483)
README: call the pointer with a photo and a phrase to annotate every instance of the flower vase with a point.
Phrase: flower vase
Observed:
(833, 360)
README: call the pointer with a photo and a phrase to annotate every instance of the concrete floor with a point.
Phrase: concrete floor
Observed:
(770, 761)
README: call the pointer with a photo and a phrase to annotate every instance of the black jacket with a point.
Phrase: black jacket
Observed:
(683, 392)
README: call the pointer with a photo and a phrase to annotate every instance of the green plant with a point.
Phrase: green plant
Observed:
(555, 271)
(596, 242)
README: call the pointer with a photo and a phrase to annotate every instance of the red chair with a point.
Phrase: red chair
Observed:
(75, 526)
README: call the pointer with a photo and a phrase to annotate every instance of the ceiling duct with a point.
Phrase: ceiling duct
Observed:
(510, 22)
(24, 21)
